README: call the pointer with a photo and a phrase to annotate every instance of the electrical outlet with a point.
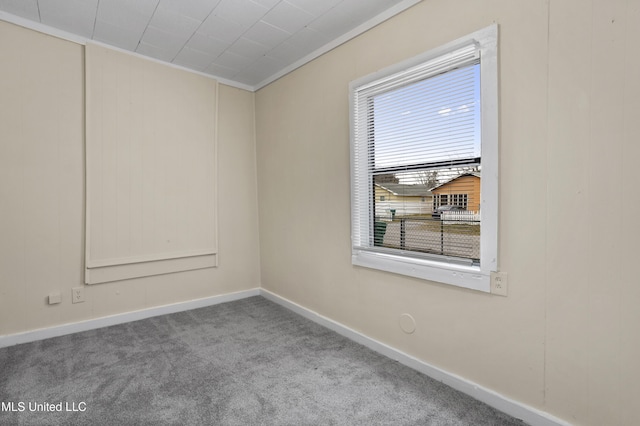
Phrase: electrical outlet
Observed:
(77, 294)
(499, 283)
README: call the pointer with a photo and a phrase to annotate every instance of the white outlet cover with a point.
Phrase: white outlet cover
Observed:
(499, 283)
(77, 295)
(55, 298)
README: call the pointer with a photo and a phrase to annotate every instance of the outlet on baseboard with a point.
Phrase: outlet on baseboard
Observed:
(77, 294)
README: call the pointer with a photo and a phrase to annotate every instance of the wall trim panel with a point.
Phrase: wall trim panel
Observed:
(124, 271)
(151, 155)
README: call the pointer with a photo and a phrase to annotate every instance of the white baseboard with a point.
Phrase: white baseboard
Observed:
(60, 330)
(516, 409)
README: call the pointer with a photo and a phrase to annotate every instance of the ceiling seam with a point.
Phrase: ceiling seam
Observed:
(147, 26)
(194, 33)
(95, 19)
(283, 41)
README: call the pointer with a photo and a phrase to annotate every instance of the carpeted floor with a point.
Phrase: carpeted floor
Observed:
(249, 362)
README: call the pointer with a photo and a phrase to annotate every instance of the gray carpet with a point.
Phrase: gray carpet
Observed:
(248, 362)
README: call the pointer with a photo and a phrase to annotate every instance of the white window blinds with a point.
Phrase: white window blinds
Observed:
(413, 131)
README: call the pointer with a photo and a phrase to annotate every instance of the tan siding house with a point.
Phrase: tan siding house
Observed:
(463, 191)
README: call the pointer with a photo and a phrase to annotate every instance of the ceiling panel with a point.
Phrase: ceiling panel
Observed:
(309, 39)
(333, 24)
(194, 59)
(23, 8)
(266, 34)
(196, 9)
(267, 3)
(74, 16)
(288, 17)
(315, 7)
(288, 52)
(125, 13)
(248, 48)
(262, 69)
(354, 9)
(219, 28)
(249, 42)
(220, 71)
(206, 44)
(163, 40)
(123, 18)
(233, 60)
(243, 12)
(155, 52)
(171, 22)
(125, 38)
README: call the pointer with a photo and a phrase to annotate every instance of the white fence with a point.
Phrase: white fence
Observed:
(461, 218)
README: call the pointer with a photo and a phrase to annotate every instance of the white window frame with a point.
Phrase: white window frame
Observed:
(476, 277)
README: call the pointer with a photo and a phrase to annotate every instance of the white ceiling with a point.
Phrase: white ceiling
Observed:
(246, 42)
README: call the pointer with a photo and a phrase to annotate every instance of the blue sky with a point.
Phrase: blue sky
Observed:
(435, 119)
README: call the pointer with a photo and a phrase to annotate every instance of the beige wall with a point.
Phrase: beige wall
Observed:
(566, 338)
(42, 194)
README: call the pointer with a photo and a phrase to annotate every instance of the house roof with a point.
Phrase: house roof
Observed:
(404, 190)
(476, 174)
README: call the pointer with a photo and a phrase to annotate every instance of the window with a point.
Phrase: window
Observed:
(455, 200)
(459, 200)
(431, 125)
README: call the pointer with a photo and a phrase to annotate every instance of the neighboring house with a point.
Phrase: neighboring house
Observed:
(402, 199)
(463, 190)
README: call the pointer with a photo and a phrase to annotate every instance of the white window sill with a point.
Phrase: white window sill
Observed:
(471, 277)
